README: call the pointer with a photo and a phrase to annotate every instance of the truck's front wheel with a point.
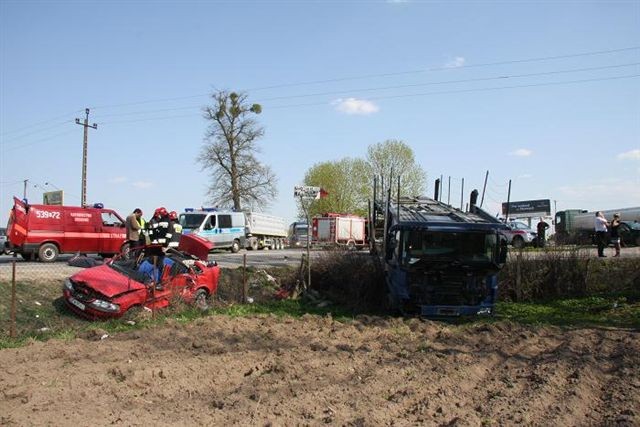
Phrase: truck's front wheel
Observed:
(48, 252)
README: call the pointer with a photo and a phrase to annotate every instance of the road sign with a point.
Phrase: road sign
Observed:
(53, 198)
(307, 192)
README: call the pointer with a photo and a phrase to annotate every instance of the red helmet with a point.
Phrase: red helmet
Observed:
(173, 215)
(160, 212)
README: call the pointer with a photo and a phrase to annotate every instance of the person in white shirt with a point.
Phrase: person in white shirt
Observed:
(601, 224)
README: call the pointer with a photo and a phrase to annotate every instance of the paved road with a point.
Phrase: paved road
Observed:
(256, 259)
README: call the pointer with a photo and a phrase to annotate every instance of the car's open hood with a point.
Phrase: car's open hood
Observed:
(106, 280)
(195, 245)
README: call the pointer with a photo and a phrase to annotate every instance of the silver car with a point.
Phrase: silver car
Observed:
(520, 234)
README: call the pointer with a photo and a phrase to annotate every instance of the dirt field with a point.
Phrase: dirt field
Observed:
(310, 371)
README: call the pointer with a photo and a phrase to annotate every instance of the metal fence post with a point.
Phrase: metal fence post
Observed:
(12, 330)
(244, 279)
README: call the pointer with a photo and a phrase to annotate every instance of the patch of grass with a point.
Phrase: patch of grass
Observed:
(612, 310)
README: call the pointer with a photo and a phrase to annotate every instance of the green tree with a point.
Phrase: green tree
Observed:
(229, 153)
(396, 156)
(346, 180)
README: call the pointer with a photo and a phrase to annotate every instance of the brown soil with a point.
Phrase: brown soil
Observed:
(310, 371)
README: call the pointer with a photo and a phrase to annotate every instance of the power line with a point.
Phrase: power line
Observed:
(36, 131)
(40, 123)
(502, 77)
(37, 142)
(487, 89)
(369, 76)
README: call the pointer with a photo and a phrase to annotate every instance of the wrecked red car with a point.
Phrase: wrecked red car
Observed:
(127, 282)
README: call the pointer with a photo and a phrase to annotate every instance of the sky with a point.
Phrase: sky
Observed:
(543, 93)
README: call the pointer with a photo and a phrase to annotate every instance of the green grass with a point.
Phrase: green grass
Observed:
(613, 310)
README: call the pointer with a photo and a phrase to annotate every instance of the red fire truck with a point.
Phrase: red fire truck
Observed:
(339, 230)
(45, 231)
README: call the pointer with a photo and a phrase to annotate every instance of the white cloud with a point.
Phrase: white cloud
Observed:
(118, 180)
(521, 152)
(355, 106)
(630, 155)
(142, 184)
(456, 62)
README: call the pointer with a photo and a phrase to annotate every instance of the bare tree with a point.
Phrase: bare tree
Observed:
(229, 153)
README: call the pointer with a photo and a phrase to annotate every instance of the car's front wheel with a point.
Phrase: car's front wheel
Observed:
(201, 299)
(518, 242)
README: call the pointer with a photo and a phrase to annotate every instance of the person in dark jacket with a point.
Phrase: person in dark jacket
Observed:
(542, 230)
(614, 228)
(175, 230)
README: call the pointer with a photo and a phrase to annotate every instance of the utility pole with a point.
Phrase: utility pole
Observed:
(86, 125)
(24, 192)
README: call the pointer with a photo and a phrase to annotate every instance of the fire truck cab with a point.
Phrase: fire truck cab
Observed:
(45, 231)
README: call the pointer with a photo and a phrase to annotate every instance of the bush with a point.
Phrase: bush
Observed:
(354, 280)
(565, 274)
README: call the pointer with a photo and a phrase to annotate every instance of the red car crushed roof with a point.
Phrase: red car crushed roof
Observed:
(123, 283)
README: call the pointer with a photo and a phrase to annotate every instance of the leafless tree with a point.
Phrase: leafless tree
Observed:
(229, 153)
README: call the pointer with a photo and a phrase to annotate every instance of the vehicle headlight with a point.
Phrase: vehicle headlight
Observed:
(68, 284)
(105, 305)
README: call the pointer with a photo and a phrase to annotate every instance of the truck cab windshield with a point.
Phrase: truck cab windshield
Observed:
(429, 246)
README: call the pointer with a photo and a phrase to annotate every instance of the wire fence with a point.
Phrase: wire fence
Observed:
(42, 299)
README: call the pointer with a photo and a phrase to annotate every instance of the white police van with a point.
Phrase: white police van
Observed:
(226, 229)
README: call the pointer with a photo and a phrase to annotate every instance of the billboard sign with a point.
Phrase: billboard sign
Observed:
(528, 208)
(53, 198)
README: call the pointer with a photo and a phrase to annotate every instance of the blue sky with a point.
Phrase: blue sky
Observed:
(425, 72)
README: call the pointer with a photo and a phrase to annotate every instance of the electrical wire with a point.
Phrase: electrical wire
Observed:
(36, 131)
(369, 76)
(487, 89)
(503, 77)
(38, 141)
(41, 123)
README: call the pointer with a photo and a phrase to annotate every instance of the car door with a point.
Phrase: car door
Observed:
(112, 233)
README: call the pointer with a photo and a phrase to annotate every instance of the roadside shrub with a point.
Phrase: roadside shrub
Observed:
(529, 277)
(352, 279)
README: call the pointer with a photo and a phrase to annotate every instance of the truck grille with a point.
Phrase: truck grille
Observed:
(445, 288)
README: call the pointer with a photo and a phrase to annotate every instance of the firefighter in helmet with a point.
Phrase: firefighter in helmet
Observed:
(175, 230)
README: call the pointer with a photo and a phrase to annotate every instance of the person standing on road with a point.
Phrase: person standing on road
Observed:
(601, 224)
(615, 235)
(542, 229)
(133, 226)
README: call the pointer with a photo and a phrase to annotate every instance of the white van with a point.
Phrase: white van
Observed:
(224, 228)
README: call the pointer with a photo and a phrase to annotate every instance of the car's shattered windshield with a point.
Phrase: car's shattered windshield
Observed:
(470, 247)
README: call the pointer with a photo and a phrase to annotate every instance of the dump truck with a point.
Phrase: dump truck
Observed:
(235, 230)
(438, 260)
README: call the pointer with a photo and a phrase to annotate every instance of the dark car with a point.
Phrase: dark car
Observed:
(630, 233)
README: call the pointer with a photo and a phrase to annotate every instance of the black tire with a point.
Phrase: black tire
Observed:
(201, 299)
(235, 246)
(132, 314)
(253, 244)
(351, 246)
(27, 256)
(517, 242)
(48, 252)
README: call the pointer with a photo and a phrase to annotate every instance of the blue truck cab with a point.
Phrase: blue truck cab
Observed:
(441, 261)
